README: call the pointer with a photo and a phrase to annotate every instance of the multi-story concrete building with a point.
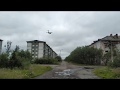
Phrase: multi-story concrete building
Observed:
(40, 49)
(107, 43)
(0, 45)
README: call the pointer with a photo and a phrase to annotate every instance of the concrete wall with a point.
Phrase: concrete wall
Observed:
(54, 55)
(29, 47)
(118, 46)
(97, 45)
(0, 47)
(46, 51)
(40, 50)
(100, 45)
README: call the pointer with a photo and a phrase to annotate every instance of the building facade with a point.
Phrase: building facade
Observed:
(1, 45)
(107, 43)
(40, 49)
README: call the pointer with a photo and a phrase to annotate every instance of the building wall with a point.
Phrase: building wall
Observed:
(101, 45)
(97, 45)
(46, 48)
(0, 47)
(40, 50)
(54, 54)
(118, 46)
(35, 47)
(29, 47)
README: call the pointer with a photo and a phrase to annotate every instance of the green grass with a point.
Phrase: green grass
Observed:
(33, 71)
(108, 73)
(82, 64)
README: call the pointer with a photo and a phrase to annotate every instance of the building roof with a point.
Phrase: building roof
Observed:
(36, 41)
(108, 38)
(41, 42)
(111, 38)
(1, 40)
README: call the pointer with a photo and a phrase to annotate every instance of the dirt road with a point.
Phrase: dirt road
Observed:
(69, 71)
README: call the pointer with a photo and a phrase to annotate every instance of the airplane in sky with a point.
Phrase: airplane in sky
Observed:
(49, 32)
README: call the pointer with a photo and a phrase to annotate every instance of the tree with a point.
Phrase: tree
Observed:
(59, 58)
(8, 47)
(85, 55)
(19, 58)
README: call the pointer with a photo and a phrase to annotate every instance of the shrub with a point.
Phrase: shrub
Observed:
(59, 59)
(45, 61)
(115, 63)
(116, 59)
(85, 55)
(18, 58)
(4, 60)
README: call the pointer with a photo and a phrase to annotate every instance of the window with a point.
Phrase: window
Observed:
(106, 51)
(106, 45)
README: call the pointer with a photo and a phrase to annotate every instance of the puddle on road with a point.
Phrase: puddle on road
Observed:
(66, 72)
(69, 73)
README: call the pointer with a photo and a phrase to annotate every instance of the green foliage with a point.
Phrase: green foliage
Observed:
(4, 60)
(45, 61)
(18, 58)
(115, 63)
(116, 59)
(31, 72)
(106, 58)
(104, 73)
(85, 55)
(107, 73)
(59, 58)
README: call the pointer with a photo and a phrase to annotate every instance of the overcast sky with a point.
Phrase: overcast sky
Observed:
(70, 28)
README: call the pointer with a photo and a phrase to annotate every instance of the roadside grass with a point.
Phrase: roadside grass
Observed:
(33, 71)
(82, 64)
(108, 73)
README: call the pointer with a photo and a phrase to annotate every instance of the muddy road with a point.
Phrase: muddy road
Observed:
(69, 71)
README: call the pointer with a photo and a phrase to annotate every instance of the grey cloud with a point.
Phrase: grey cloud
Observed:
(70, 29)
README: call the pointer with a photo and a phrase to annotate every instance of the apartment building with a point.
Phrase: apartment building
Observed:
(1, 45)
(106, 43)
(40, 49)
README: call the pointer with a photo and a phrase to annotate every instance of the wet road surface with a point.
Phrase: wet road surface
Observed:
(69, 71)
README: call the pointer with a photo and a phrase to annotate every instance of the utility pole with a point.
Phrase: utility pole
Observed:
(60, 52)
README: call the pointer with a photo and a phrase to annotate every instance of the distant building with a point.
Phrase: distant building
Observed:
(107, 43)
(0, 46)
(40, 49)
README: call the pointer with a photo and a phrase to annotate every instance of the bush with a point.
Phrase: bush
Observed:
(85, 55)
(115, 63)
(116, 59)
(18, 58)
(45, 61)
(59, 59)
(4, 60)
